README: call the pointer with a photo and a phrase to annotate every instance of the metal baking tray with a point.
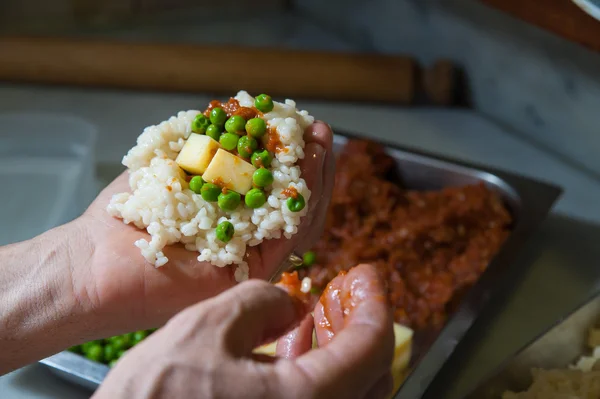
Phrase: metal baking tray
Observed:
(528, 200)
(557, 348)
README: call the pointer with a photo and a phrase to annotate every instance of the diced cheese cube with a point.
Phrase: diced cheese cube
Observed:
(230, 171)
(196, 154)
(268, 349)
(402, 353)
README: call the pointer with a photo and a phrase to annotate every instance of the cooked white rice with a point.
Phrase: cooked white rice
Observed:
(162, 203)
(306, 285)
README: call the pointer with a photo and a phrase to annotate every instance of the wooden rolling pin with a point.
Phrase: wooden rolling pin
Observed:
(225, 70)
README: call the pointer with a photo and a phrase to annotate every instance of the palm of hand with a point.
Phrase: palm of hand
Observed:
(117, 280)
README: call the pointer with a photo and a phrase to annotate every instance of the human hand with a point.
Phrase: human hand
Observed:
(348, 300)
(206, 350)
(118, 283)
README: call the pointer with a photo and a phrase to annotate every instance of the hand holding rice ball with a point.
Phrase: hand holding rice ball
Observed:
(120, 280)
(219, 181)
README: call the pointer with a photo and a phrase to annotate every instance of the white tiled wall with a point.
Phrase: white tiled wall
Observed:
(540, 85)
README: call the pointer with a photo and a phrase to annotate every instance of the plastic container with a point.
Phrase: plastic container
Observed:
(47, 173)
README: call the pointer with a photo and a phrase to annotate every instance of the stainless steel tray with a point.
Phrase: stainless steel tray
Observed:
(560, 346)
(528, 200)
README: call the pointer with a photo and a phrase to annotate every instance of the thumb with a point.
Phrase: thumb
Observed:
(318, 169)
(259, 313)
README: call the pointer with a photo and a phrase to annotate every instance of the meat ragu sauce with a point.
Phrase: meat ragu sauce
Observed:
(430, 246)
(232, 107)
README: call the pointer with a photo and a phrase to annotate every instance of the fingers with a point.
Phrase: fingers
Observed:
(258, 313)
(296, 342)
(362, 283)
(312, 172)
(329, 315)
(320, 133)
(319, 215)
(363, 350)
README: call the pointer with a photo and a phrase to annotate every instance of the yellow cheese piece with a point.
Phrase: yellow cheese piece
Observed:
(268, 349)
(402, 352)
(230, 171)
(196, 154)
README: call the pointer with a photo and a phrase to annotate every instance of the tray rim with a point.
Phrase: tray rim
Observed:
(528, 190)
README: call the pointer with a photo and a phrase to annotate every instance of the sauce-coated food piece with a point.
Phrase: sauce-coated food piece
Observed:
(293, 286)
(261, 159)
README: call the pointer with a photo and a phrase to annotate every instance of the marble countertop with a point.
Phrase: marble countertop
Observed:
(564, 250)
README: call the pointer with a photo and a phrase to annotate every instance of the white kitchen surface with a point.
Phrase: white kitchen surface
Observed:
(120, 117)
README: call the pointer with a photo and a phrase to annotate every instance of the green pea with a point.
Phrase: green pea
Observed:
(256, 127)
(139, 336)
(229, 141)
(225, 231)
(255, 198)
(315, 291)
(110, 353)
(218, 116)
(95, 353)
(113, 363)
(229, 201)
(152, 330)
(120, 342)
(235, 124)
(246, 146)
(210, 192)
(309, 258)
(200, 124)
(121, 353)
(261, 158)
(196, 184)
(262, 177)
(296, 204)
(76, 349)
(263, 103)
(214, 132)
(128, 339)
(87, 345)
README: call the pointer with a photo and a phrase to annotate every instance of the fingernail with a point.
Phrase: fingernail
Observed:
(319, 156)
(324, 123)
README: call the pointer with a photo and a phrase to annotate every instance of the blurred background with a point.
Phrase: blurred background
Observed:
(537, 85)
(509, 84)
